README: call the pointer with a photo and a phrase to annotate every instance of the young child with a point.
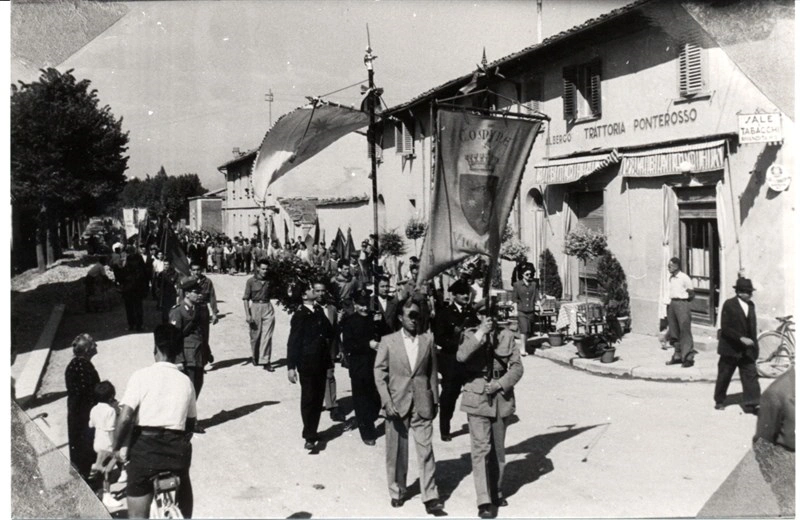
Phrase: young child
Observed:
(103, 418)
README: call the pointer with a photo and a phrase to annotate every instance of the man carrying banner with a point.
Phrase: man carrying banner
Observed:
(206, 302)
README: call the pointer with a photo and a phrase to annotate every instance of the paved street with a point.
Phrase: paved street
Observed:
(584, 445)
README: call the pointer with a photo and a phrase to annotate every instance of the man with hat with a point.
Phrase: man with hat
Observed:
(525, 294)
(450, 322)
(360, 336)
(738, 347)
(207, 302)
(493, 366)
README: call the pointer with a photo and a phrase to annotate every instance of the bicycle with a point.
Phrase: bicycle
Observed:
(165, 487)
(776, 349)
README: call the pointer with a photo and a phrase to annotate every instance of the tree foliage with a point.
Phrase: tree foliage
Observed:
(163, 194)
(611, 277)
(392, 243)
(67, 152)
(548, 272)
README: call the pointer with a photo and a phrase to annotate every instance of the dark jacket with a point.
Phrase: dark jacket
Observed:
(450, 323)
(308, 348)
(389, 322)
(733, 325)
(357, 332)
(187, 321)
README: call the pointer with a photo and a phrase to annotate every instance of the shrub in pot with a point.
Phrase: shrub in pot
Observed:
(611, 277)
(548, 274)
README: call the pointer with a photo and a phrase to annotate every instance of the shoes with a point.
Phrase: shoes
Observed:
(123, 477)
(110, 502)
(675, 361)
(198, 429)
(269, 368)
(719, 406)
(446, 437)
(369, 442)
(751, 409)
(337, 416)
(485, 511)
(523, 352)
(500, 502)
(688, 363)
(397, 502)
(310, 445)
(434, 507)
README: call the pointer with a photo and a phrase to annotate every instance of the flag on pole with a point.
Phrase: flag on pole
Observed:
(298, 136)
(349, 247)
(285, 234)
(273, 235)
(323, 237)
(316, 231)
(481, 161)
(338, 243)
(173, 250)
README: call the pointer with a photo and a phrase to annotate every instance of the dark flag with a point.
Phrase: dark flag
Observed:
(349, 247)
(481, 161)
(316, 232)
(285, 233)
(273, 235)
(171, 247)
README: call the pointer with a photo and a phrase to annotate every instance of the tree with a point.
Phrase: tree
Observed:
(611, 277)
(67, 155)
(162, 194)
(548, 272)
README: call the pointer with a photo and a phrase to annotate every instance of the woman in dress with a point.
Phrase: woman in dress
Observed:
(81, 378)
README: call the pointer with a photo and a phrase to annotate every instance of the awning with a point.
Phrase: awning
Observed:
(699, 157)
(563, 171)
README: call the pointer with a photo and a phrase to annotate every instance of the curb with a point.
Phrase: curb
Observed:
(566, 355)
(32, 363)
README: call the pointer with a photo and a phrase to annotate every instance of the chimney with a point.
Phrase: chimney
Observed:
(236, 152)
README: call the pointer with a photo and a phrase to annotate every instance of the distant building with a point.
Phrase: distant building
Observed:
(205, 212)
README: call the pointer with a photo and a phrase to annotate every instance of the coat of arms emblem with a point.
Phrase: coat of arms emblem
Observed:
(477, 189)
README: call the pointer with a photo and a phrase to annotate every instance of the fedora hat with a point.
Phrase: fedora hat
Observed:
(744, 285)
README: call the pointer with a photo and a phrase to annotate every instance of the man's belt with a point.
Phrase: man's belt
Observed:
(497, 374)
(260, 301)
(157, 430)
(679, 299)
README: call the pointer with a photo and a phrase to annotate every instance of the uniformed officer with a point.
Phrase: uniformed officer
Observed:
(260, 316)
(448, 325)
(187, 318)
(207, 302)
(493, 366)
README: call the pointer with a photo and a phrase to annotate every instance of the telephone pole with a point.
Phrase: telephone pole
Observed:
(269, 98)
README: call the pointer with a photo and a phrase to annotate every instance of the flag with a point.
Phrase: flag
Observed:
(338, 243)
(323, 236)
(172, 250)
(316, 232)
(298, 136)
(285, 234)
(481, 161)
(349, 247)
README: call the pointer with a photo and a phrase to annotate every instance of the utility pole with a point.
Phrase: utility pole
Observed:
(538, 21)
(269, 98)
(373, 98)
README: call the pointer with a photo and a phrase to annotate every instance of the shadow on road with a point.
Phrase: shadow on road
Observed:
(279, 363)
(225, 363)
(41, 400)
(229, 415)
(300, 514)
(734, 399)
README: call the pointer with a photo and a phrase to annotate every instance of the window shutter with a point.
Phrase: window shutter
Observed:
(398, 138)
(690, 77)
(570, 104)
(595, 100)
(408, 141)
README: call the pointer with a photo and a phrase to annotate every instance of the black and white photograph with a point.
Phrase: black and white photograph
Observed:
(402, 258)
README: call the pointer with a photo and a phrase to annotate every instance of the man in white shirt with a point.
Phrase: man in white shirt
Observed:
(679, 315)
(160, 407)
(408, 383)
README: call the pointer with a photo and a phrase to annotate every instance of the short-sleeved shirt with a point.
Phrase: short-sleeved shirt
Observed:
(162, 395)
(103, 419)
(679, 286)
(256, 289)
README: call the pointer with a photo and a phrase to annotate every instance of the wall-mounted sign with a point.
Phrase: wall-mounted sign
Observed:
(760, 128)
(778, 178)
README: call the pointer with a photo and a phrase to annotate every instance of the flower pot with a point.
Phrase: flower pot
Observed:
(587, 346)
(624, 323)
(608, 355)
(556, 339)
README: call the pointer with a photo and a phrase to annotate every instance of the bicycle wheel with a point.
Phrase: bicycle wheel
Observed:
(774, 357)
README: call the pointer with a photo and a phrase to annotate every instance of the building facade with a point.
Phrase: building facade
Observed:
(205, 212)
(656, 137)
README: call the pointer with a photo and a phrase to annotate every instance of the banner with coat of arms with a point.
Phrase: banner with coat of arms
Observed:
(481, 161)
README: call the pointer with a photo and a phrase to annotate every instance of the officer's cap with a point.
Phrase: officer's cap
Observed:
(459, 287)
(362, 299)
(189, 283)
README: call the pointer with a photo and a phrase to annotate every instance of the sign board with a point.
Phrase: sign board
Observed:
(760, 128)
(778, 178)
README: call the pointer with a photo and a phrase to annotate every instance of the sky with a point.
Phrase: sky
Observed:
(190, 77)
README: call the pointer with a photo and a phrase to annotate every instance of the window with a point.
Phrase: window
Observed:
(589, 212)
(531, 96)
(404, 139)
(691, 73)
(582, 91)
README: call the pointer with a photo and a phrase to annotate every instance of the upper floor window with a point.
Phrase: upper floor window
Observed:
(691, 70)
(582, 91)
(403, 139)
(531, 96)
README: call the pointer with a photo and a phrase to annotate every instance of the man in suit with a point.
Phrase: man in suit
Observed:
(450, 322)
(384, 308)
(738, 347)
(325, 302)
(405, 374)
(308, 353)
(493, 366)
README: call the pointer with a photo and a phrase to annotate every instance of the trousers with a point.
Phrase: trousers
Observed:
(366, 403)
(133, 310)
(679, 316)
(751, 389)
(312, 392)
(397, 431)
(487, 448)
(452, 381)
(261, 330)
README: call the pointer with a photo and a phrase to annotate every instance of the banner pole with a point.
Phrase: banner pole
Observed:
(368, 59)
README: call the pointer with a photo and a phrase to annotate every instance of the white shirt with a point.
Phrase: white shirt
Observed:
(679, 286)
(412, 348)
(162, 395)
(745, 307)
(158, 266)
(382, 301)
(103, 418)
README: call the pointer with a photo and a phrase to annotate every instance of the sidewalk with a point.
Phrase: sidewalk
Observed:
(638, 356)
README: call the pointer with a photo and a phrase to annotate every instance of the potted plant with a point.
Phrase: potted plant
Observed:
(415, 228)
(548, 272)
(616, 299)
(585, 244)
(284, 273)
(512, 250)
